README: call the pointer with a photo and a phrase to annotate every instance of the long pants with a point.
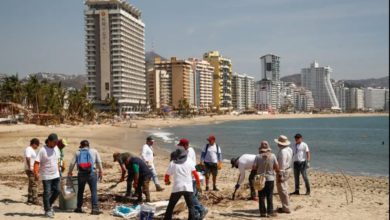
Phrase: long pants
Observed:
(51, 191)
(32, 187)
(174, 199)
(300, 168)
(199, 209)
(91, 180)
(143, 186)
(129, 183)
(154, 175)
(282, 188)
(251, 177)
(266, 193)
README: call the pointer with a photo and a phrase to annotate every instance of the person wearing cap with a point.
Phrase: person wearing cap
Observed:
(47, 169)
(200, 210)
(211, 158)
(121, 158)
(139, 173)
(89, 178)
(284, 158)
(301, 158)
(147, 155)
(267, 163)
(182, 169)
(243, 163)
(29, 158)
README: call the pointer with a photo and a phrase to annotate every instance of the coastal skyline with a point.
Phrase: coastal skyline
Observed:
(49, 36)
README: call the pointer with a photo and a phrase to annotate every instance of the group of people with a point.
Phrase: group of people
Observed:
(48, 165)
(275, 168)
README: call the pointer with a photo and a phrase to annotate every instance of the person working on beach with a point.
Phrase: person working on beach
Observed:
(301, 157)
(121, 158)
(211, 158)
(147, 155)
(46, 165)
(200, 210)
(243, 163)
(29, 159)
(140, 173)
(182, 169)
(284, 158)
(87, 160)
(266, 163)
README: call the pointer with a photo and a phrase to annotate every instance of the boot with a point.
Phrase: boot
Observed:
(159, 188)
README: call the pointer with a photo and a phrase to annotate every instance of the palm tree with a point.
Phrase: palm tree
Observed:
(12, 90)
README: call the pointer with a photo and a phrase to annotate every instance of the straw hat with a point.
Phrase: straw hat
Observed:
(282, 140)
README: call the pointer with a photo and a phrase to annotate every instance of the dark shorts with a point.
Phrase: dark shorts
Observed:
(211, 168)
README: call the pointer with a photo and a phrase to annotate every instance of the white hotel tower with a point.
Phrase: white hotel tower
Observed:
(317, 80)
(115, 54)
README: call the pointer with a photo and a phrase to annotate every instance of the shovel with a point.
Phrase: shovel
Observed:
(234, 193)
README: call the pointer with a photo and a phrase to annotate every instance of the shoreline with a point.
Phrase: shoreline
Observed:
(330, 198)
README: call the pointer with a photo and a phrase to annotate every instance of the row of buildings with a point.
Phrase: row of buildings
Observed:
(115, 63)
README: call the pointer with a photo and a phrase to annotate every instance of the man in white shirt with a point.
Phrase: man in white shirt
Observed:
(284, 158)
(29, 159)
(200, 210)
(243, 163)
(211, 158)
(147, 155)
(182, 169)
(46, 165)
(301, 157)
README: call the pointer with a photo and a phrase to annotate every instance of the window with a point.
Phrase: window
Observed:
(107, 86)
(269, 66)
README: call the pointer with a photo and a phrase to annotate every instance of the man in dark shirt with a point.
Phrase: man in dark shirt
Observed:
(121, 158)
(140, 172)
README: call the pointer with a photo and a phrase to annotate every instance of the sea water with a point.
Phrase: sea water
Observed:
(356, 145)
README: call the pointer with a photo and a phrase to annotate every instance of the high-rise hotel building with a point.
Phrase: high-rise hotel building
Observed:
(222, 79)
(115, 54)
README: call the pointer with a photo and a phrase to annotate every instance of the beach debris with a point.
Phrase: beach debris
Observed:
(298, 207)
(349, 187)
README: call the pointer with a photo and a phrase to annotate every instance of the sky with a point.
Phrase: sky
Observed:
(351, 36)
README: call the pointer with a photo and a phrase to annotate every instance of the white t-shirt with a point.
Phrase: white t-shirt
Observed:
(284, 158)
(191, 154)
(182, 176)
(29, 152)
(147, 154)
(299, 151)
(48, 162)
(211, 154)
(245, 162)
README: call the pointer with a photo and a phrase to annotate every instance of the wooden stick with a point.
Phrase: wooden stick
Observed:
(349, 186)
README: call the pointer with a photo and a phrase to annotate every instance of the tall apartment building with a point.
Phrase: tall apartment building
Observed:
(242, 91)
(222, 79)
(341, 93)
(303, 100)
(268, 89)
(374, 99)
(317, 80)
(355, 99)
(115, 54)
(270, 67)
(387, 100)
(169, 83)
(202, 83)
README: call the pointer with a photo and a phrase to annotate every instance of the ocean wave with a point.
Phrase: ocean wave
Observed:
(167, 137)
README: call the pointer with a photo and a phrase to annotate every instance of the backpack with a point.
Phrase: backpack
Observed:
(84, 161)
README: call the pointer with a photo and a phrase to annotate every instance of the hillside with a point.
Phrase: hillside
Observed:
(75, 81)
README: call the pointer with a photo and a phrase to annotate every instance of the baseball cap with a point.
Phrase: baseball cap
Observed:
(183, 142)
(149, 138)
(211, 137)
(52, 137)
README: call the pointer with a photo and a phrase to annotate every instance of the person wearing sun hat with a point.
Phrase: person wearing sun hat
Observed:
(266, 163)
(284, 158)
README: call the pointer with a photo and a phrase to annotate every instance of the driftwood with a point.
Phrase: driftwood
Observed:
(349, 186)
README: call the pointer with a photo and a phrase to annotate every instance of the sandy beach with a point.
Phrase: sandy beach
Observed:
(330, 199)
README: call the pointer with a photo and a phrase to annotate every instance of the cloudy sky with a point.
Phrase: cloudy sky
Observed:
(351, 36)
